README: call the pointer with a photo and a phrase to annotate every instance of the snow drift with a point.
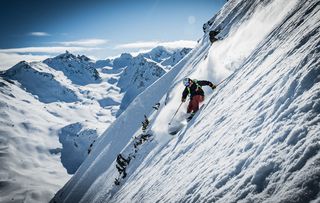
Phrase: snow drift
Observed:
(256, 137)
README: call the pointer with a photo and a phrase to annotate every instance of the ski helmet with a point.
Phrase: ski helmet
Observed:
(186, 82)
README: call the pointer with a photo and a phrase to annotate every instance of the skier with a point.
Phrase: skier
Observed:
(193, 87)
(122, 164)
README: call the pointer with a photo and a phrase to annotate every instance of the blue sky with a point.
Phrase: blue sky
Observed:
(99, 28)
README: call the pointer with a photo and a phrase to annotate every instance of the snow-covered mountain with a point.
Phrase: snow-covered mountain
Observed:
(166, 57)
(30, 170)
(256, 137)
(79, 69)
(175, 57)
(37, 105)
(36, 77)
(135, 74)
(136, 77)
(52, 113)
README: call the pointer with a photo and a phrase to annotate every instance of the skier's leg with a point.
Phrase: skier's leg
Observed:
(189, 109)
(197, 100)
(192, 105)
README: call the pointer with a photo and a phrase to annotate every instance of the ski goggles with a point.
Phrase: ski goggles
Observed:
(186, 83)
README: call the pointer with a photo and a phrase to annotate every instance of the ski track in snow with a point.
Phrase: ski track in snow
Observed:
(256, 137)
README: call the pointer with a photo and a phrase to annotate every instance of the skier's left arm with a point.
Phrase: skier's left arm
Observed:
(207, 83)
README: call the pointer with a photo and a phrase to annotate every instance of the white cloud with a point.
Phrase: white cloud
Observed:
(39, 34)
(7, 60)
(152, 44)
(136, 53)
(179, 44)
(85, 42)
(137, 45)
(46, 49)
(9, 57)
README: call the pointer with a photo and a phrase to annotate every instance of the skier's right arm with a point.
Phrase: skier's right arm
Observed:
(184, 95)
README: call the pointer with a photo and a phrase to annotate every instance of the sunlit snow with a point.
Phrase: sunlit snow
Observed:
(256, 137)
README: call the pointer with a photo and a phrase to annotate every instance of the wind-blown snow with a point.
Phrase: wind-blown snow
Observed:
(256, 137)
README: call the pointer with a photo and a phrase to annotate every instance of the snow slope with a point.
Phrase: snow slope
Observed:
(30, 169)
(256, 138)
(51, 115)
(36, 104)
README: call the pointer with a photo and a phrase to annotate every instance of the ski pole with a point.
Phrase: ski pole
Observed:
(175, 113)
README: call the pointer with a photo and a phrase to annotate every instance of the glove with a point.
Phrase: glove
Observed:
(213, 87)
(183, 99)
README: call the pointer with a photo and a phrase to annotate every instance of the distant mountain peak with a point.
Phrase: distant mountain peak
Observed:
(40, 80)
(79, 69)
(17, 68)
(66, 55)
(125, 55)
(69, 56)
(160, 48)
(84, 58)
(23, 63)
(122, 61)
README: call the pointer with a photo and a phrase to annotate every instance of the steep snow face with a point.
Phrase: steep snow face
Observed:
(79, 69)
(254, 140)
